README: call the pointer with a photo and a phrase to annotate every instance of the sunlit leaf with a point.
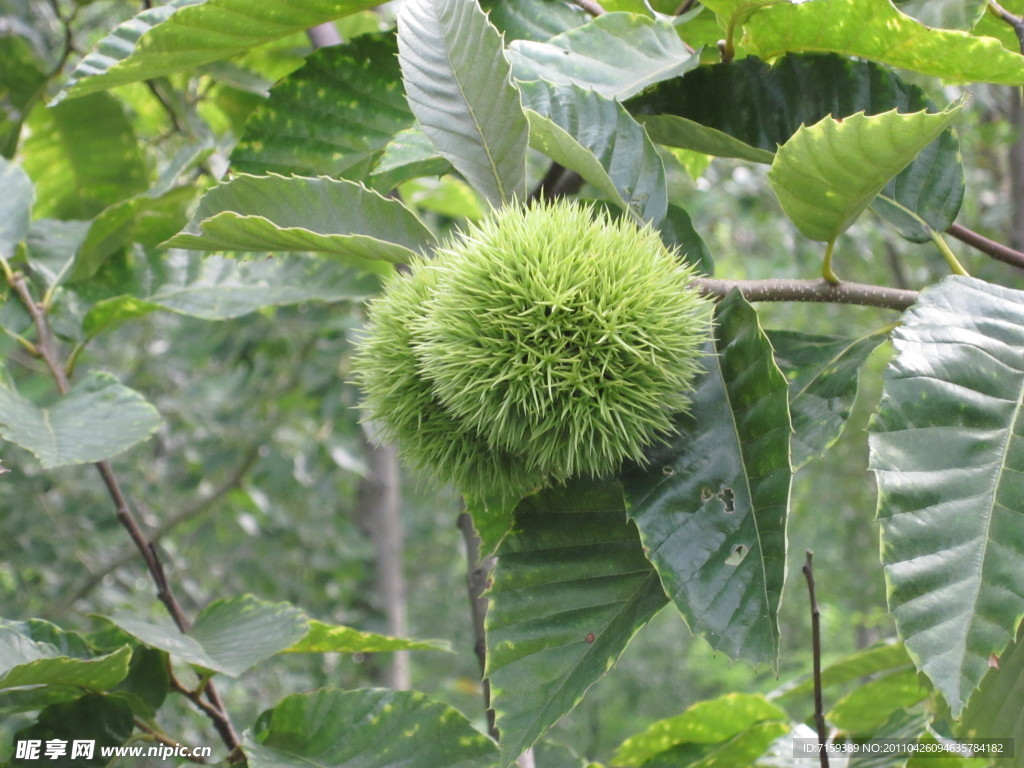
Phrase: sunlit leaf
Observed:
(875, 30)
(99, 418)
(615, 54)
(459, 87)
(184, 34)
(947, 14)
(570, 589)
(947, 452)
(22, 82)
(826, 174)
(330, 638)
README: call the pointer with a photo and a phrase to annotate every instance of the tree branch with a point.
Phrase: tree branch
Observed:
(819, 707)
(1012, 19)
(991, 248)
(47, 350)
(590, 6)
(810, 291)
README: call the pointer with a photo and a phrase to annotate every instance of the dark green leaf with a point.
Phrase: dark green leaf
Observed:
(218, 288)
(711, 507)
(677, 231)
(615, 54)
(823, 374)
(22, 80)
(570, 590)
(368, 729)
(106, 721)
(746, 109)
(994, 711)
(83, 156)
(947, 453)
(99, 418)
(184, 34)
(459, 87)
(537, 20)
(15, 207)
(597, 138)
(332, 117)
(343, 218)
(328, 638)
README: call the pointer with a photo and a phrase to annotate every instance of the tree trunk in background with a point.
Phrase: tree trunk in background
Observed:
(380, 503)
(1016, 163)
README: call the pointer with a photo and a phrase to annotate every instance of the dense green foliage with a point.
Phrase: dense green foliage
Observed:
(214, 234)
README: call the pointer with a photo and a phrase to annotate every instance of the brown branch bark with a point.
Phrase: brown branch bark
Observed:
(991, 248)
(591, 7)
(819, 706)
(810, 291)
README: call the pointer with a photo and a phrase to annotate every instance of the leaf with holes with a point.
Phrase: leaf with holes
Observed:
(459, 86)
(826, 174)
(615, 54)
(711, 507)
(596, 137)
(948, 452)
(98, 419)
(184, 34)
(333, 216)
(571, 588)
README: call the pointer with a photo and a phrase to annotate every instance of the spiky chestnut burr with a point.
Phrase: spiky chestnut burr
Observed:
(562, 336)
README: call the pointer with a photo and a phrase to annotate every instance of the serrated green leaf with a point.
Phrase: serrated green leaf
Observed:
(459, 87)
(947, 453)
(367, 729)
(533, 19)
(229, 636)
(707, 722)
(82, 157)
(876, 31)
(740, 100)
(329, 638)
(184, 34)
(408, 155)
(596, 137)
(571, 588)
(332, 117)
(15, 207)
(826, 174)
(994, 710)
(615, 54)
(334, 216)
(823, 376)
(711, 506)
(99, 418)
(219, 288)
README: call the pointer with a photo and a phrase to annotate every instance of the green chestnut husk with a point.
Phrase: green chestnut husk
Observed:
(543, 343)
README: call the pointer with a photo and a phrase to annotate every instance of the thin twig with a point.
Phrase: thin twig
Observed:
(819, 706)
(1012, 19)
(590, 6)
(811, 291)
(476, 583)
(47, 350)
(991, 248)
